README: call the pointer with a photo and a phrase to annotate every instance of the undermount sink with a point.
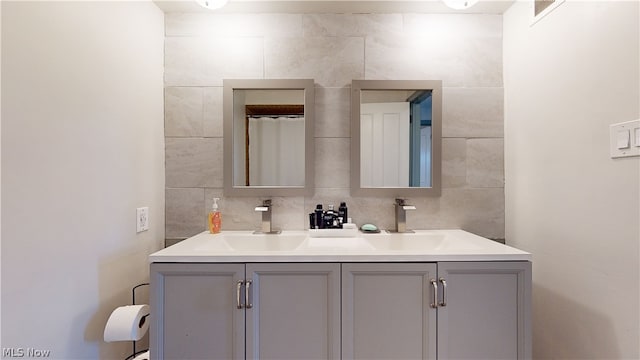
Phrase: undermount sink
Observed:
(246, 241)
(420, 241)
(300, 242)
(406, 242)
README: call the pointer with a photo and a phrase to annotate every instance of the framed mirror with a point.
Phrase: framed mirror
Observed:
(268, 137)
(396, 130)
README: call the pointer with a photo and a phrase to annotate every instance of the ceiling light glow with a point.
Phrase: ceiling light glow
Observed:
(460, 4)
(212, 4)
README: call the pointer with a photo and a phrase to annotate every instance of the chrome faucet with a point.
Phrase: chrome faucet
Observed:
(265, 227)
(401, 216)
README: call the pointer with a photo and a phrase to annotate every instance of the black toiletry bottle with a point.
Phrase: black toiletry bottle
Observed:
(312, 221)
(329, 217)
(342, 212)
(319, 217)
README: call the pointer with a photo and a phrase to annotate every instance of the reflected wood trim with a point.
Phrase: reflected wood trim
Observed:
(275, 109)
(246, 149)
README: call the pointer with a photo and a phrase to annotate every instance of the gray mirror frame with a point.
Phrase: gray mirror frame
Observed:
(436, 162)
(309, 111)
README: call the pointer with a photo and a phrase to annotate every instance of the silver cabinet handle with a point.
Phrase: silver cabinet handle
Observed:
(444, 292)
(238, 290)
(247, 302)
(434, 284)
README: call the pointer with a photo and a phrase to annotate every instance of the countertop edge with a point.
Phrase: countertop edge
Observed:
(248, 258)
(189, 251)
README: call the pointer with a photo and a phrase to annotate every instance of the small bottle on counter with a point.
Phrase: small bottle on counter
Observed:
(312, 220)
(319, 217)
(343, 213)
(329, 218)
(215, 218)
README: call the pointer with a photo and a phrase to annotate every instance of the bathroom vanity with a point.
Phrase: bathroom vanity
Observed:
(444, 294)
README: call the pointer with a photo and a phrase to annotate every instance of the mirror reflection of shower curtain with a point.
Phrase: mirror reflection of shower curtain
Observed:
(276, 151)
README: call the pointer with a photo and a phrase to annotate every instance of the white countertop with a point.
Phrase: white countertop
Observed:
(298, 246)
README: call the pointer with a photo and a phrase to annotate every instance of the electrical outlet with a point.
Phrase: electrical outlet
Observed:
(142, 219)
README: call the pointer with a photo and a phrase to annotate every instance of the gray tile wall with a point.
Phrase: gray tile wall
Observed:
(463, 50)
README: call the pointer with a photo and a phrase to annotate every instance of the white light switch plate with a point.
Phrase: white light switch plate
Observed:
(627, 130)
(624, 139)
(142, 219)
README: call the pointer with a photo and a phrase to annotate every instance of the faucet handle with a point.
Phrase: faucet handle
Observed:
(266, 205)
(402, 203)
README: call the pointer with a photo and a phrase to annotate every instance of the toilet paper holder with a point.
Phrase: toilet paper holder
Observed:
(129, 323)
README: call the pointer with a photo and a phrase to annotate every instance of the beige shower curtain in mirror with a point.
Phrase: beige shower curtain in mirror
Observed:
(275, 158)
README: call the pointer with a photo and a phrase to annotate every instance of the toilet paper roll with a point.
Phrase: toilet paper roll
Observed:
(144, 356)
(127, 323)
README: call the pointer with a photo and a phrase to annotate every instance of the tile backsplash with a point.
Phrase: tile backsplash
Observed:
(463, 50)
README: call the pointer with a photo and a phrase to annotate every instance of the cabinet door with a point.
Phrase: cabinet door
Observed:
(295, 311)
(194, 314)
(487, 311)
(386, 311)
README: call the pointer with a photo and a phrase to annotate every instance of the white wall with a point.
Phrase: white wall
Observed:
(566, 79)
(82, 147)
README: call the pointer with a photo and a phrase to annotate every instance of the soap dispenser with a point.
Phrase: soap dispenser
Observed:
(215, 218)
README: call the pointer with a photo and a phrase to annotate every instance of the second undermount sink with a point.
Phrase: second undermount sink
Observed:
(406, 242)
(421, 241)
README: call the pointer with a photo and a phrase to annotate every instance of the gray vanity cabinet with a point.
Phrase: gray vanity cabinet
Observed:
(194, 313)
(386, 312)
(487, 310)
(444, 310)
(482, 312)
(295, 313)
(289, 311)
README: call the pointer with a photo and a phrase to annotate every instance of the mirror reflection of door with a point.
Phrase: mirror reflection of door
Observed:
(395, 142)
(384, 148)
